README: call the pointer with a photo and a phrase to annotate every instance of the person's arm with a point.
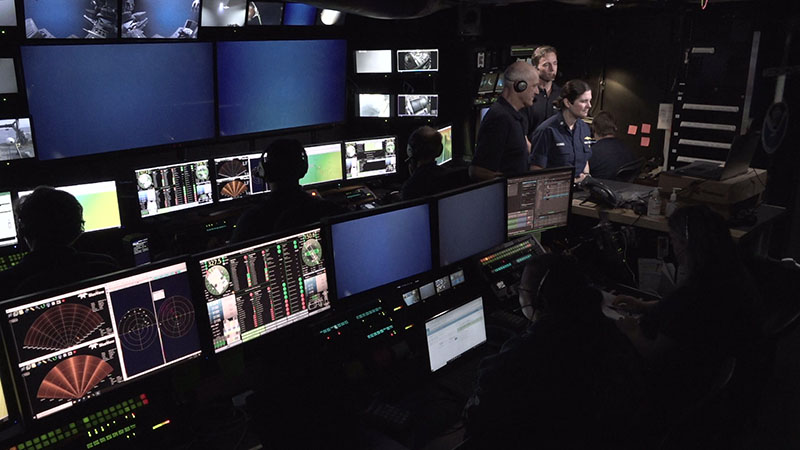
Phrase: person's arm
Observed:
(540, 147)
(583, 174)
(479, 173)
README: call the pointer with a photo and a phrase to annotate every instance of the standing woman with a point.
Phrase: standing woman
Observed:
(563, 139)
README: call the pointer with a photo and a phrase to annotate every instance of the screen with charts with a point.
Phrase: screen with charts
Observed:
(8, 225)
(236, 176)
(452, 333)
(373, 61)
(99, 201)
(16, 139)
(447, 145)
(172, 188)
(417, 105)
(418, 60)
(324, 163)
(539, 201)
(254, 290)
(370, 157)
(71, 345)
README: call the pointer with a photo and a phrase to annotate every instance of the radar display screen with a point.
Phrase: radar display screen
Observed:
(258, 289)
(79, 344)
(236, 177)
(174, 187)
(370, 157)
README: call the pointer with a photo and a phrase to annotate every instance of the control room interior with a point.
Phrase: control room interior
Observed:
(357, 372)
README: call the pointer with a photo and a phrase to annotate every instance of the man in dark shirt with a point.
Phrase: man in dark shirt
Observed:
(608, 152)
(545, 59)
(503, 146)
(427, 178)
(287, 205)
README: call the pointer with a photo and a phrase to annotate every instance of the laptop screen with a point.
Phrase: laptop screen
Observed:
(454, 332)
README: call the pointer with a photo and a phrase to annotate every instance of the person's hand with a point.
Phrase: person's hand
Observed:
(528, 143)
(627, 325)
(629, 304)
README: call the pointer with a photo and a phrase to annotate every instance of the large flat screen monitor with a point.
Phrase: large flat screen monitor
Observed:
(253, 290)
(99, 201)
(17, 139)
(370, 157)
(223, 13)
(425, 105)
(471, 220)
(324, 164)
(71, 19)
(273, 85)
(170, 188)
(8, 13)
(88, 99)
(8, 76)
(79, 342)
(373, 61)
(264, 13)
(160, 19)
(453, 333)
(418, 60)
(374, 105)
(380, 248)
(447, 144)
(539, 201)
(236, 176)
(8, 224)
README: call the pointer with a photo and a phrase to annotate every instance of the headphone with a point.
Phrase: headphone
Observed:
(284, 158)
(519, 85)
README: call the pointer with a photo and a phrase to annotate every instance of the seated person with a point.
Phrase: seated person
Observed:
(564, 382)
(286, 205)
(427, 178)
(608, 152)
(50, 221)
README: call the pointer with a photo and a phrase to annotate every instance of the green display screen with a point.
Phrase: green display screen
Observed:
(324, 164)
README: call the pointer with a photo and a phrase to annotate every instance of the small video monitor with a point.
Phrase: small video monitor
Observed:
(264, 13)
(411, 297)
(427, 290)
(539, 201)
(8, 76)
(223, 13)
(373, 61)
(447, 145)
(498, 88)
(8, 224)
(370, 157)
(17, 139)
(418, 60)
(264, 286)
(374, 105)
(71, 19)
(8, 13)
(488, 81)
(299, 14)
(99, 201)
(324, 164)
(237, 177)
(380, 248)
(159, 19)
(471, 220)
(78, 342)
(174, 187)
(457, 277)
(409, 105)
(454, 332)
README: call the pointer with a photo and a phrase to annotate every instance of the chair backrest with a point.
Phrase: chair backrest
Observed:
(628, 172)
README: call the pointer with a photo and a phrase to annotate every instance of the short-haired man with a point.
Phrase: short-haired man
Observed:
(608, 152)
(545, 59)
(427, 178)
(503, 146)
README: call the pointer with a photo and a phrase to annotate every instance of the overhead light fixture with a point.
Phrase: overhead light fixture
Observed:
(609, 4)
(330, 16)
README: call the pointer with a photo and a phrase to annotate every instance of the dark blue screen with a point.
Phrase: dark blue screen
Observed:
(88, 99)
(471, 222)
(272, 85)
(299, 14)
(376, 250)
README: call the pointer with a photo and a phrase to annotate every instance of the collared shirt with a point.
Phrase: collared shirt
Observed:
(555, 145)
(542, 108)
(501, 142)
(608, 155)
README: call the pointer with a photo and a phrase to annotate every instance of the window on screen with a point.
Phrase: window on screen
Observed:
(236, 176)
(417, 60)
(539, 201)
(373, 61)
(71, 19)
(8, 76)
(172, 188)
(374, 105)
(370, 157)
(158, 19)
(8, 13)
(417, 105)
(324, 164)
(471, 221)
(454, 332)
(17, 139)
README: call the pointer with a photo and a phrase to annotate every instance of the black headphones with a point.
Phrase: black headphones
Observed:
(519, 85)
(284, 158)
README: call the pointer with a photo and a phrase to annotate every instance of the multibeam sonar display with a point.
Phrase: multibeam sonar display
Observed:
(236, 177)
(160, 19)
(79, 344)
(71, 19)
(263, 287)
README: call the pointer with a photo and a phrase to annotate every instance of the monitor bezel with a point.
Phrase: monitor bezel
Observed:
(341, 178)
(355, 61)
(217, 198)
(24, 193)
(35, 156)
(164, 166)
(430, 96)
(345, 179)
(549, 170)
(407, 71)
(358, 105)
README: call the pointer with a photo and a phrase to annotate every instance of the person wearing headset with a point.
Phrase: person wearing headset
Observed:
(427, 178)
(283, 163)
(564, 139)
(502, 145)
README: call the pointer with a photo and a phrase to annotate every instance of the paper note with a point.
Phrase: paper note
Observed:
(645, 128)
(664, 116)
(645, 141)
(632, 129)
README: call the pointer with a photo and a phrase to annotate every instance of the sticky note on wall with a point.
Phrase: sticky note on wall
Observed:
(632, 129)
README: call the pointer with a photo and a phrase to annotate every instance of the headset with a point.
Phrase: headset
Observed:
(283, 158)
(418, 147)
(519, 85)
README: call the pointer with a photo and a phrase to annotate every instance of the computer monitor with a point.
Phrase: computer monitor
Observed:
(223, 13)
(370, 157)
(498, 88)
(447, 144)
(380, 247)
(324, 164)
(99, 201)
(8, 13)
(59, 19)
(454, 332)
(264, 13)
(8, 224)
(236, 176)
(299, 14)
(373, 61)
(77, 342)
(426, 105)
(10, 414)
(539, 201)
(488, 81)
(174, 187)
(374, 105)
(471, 220)
(159, 19)
(263, 286)
(16, 139)
(418, 60)
(8, 76)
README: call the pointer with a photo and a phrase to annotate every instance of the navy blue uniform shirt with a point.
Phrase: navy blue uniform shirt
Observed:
(542, 108)
(555, 145)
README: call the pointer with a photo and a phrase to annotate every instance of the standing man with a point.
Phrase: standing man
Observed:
(503, 146)
(545, 59)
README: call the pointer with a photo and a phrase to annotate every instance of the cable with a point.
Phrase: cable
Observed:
(703, 4)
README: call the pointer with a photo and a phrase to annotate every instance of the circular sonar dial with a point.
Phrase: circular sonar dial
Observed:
(312, 252)
(217, 280)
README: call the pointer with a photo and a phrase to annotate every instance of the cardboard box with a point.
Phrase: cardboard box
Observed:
(728, 192)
